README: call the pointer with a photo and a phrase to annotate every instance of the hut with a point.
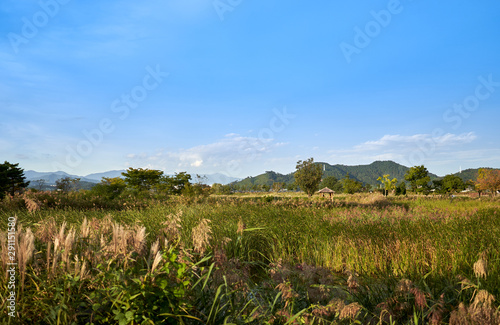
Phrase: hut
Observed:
(327, 190)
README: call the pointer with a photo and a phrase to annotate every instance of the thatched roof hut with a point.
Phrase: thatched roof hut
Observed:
(327, 190)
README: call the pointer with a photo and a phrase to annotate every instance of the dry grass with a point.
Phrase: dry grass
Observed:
(171, 232)
(481, 311)
(72, 250)
(350, 311)
(201, 236)
(26, 245)
(481, 266)
(310, 250)
(31, 204)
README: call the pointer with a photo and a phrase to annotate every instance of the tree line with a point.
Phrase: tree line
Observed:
(308, 177)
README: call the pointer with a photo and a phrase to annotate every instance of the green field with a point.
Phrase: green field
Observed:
(256, 259)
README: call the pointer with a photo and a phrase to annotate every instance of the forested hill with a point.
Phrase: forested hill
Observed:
(268, 178)
(468, 174)
(367, 174)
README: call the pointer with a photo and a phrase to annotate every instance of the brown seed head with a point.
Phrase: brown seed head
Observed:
(350, 311)
(481, 268)
(201, 236)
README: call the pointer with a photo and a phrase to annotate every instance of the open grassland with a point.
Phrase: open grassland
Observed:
(257, 259)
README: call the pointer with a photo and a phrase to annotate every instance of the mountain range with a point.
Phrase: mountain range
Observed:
(366, 174)
(50, 178)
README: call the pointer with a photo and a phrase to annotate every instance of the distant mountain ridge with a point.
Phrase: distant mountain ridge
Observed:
(51, 177)
(109, 174)
(217, 178)
(366, 174)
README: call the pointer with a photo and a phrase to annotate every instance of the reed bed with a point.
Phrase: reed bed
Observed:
(362, 258)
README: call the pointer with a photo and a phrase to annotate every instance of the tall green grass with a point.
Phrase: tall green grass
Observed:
(368, 244)
(426, 237)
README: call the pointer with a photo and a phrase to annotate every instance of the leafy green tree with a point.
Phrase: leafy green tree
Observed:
(12, 179)
(419, 179)
(277, 186)
(142, 179)
(67, 184)
(180, 180)
(350, 185)
(199, 188)
(366, 188)
(174, 184)
(63, 184)
(292, 187)
(308, 176)
(389, 184)
(109, 188)
(452, 184)
(220, 189)
(332, 183)
(437, 185)
(196, 190)
(217, 188)
(40, 184)
(75, 184)
(401, 188)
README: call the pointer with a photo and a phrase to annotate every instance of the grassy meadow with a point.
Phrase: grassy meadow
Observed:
(253, 259)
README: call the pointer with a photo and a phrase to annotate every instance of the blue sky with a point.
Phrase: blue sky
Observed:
(242, 87)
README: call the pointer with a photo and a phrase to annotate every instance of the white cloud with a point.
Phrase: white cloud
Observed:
(401, 141)
(229, 155)
(408, 150)
(197, 163)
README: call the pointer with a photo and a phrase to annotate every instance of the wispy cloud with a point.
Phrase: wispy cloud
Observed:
(226, 155)
(392, 142)
(407, 149)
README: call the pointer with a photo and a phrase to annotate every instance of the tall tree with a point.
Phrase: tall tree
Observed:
(389, 184)
(40, 184)
(308, 176)
(350, 185)
(64, 184)
(332, 183)
(277, 186)
(401, 188)
(12, 179)
(437, 185)
(109, 188)
(419, 179)
(452, 184)
(488, 180)
(142, 179)
(174, 184)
